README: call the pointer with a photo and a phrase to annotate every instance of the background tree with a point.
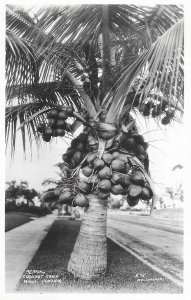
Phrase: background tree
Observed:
(12, 191)
(103, 67)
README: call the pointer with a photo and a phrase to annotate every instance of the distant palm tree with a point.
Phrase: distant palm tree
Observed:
(107, 61)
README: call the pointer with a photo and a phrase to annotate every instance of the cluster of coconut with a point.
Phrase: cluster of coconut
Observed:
(113, 173)
(135, 145)
(56, 123)
(76, 152)
(155, 110)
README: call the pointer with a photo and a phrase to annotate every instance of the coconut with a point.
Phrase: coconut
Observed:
(53, 114)
(98, 164)
(60, 124)
(138, 178)
(105, 185)
(129, 143)
(141, 157)
(134, 191)
(123, 157)
(60, 132)
(105, 173)
(87, 171)
(72, 164)
(117, 165)
(81, 200)
(138, 139)
(83, 137)
(147, 193)
(165, 120)
(52, 123)
(65, 197)
(115, 155)
(49, 196)
(62, 115)
(69, 111)
(117, 189)
(48, 131)
(91, 157)
(84, 186)
(116, 177)
(107, 158)
(126, 168)
(103, 195)
(46, 137)
(77, 157)
(70, 151)
(145, 109)
(132, 202)
(55, 134)
(40, 127)
(139, 149)
(157, 111)
(66, 158)
(145, 145)
(80, 146)
(125, 180)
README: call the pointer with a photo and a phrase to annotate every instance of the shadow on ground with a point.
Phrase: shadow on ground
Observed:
(126, 274)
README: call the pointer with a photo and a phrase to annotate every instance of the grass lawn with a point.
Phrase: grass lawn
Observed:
(125, 274)
(15, 219)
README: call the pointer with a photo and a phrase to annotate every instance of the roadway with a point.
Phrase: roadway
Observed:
(157, 239)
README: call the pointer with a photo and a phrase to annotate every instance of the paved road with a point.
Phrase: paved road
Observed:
(158, 238)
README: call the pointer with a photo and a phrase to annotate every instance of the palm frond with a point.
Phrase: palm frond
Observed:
(160, 67)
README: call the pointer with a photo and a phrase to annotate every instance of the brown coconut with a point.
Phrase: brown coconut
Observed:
(116, 177)
(84, 186)
(98, 164)
(107, 158)
(81, 200)
(87, 171)
(117, 165)
(103, 195)
(123, 157)
(138, 178)
(147, 193)
(65, 197)
(105, 173)
(117, 189)
(132, 202)
(135, 191)
(125, 180)
(77, 156)
(104, 185)
(60, 132)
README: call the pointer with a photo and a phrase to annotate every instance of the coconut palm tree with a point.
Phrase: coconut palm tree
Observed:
(109, 64)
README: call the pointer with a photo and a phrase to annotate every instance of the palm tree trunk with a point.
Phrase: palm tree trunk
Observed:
(89, 257)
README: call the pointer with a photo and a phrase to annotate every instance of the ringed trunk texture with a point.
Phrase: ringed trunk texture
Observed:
(89, 257)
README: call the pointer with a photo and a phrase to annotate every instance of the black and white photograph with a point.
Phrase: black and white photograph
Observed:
(95, 140)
